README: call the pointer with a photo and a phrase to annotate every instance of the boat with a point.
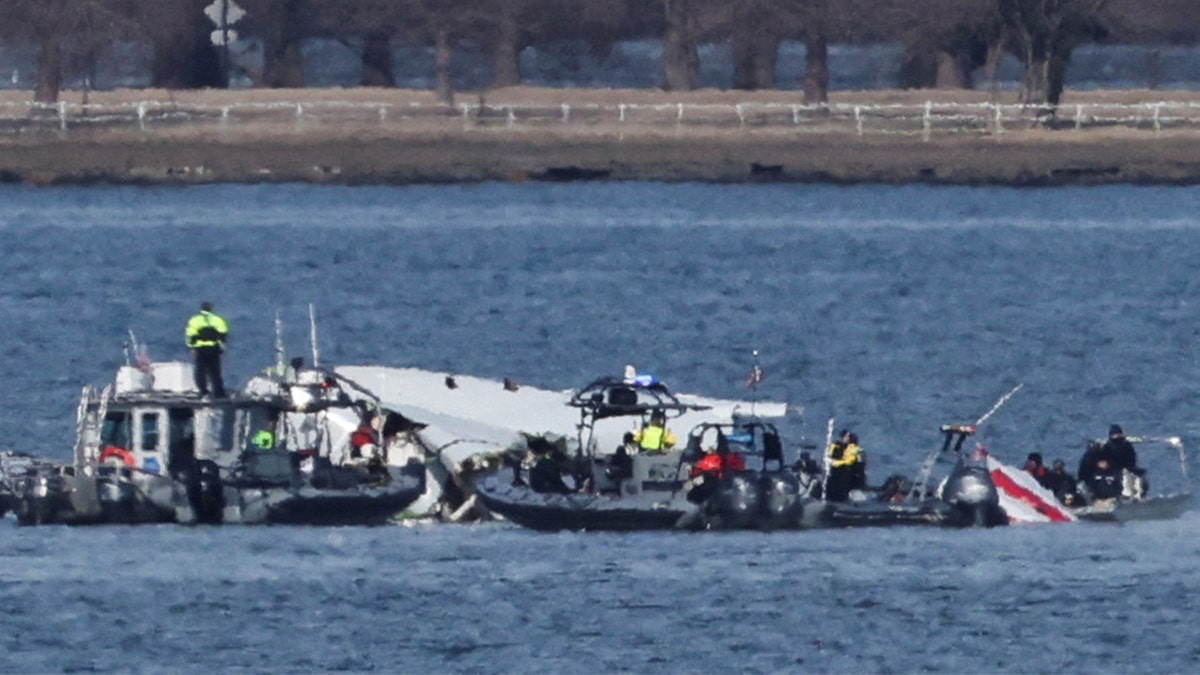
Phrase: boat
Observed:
(623, 488)
(149, 449)
(965, 497)
(1135, 503)
(1019, 491)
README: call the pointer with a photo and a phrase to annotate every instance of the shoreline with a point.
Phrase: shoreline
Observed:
(276, 147)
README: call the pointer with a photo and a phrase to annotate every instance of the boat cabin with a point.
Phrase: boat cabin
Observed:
(156, 423)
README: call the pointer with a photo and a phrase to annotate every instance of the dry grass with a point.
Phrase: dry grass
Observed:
(348, 140)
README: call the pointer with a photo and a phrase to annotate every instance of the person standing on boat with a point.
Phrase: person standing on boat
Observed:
(206, 334)
(845, 472)
(654, 438)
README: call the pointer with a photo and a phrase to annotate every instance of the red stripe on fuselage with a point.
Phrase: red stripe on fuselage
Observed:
(1022, 494)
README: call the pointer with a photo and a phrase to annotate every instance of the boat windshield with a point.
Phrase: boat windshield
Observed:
(116, 430)
(213, 431)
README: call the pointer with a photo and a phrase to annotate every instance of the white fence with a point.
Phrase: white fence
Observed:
(923, 120)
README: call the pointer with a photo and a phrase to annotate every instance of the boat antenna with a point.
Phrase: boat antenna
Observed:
(826, 459)
(921, 484)
(752, 380)
(279, 362)
(130, 348)
(312, 332)
(1003, 399)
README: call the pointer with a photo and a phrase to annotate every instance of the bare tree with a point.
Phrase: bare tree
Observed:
(69, 35)
(681, 59)
(179, 32)
(440, 24)
(1153, 23)
(755, 29)
(945, 40)
(282, 25)
(1042, 34)
(375, 21)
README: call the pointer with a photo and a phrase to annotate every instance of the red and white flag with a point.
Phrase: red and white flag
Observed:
(755, 376)
(142, 359)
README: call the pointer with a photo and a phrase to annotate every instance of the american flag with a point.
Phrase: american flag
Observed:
(755, 376)
(142, 360)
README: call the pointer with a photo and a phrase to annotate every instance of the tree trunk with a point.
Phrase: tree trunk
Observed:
(506, 52)
(766, 61)
(377, 68)
(1056, 76)
(49, 71)
(951, 72)
(816, 69)
(283, 60)
(443, 56)
(754, 58)
(991, 64)
(681, 61)
(1035, 81)
(191, 63)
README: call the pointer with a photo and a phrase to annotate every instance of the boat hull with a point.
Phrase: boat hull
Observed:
(69, 496)
(578, 511)
(747, 501)
(1167, 507)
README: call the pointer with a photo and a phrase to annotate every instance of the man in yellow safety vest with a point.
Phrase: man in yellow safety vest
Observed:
(206, 334)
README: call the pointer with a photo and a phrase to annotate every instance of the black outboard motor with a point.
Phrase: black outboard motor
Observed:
(780, 501)
(114, 488)
(736, 503)
(38, 503)
(206, 495)
(971, 493)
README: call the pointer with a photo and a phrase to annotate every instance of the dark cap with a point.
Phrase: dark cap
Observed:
(1034, 457)
(1115, 430)
(206, 306)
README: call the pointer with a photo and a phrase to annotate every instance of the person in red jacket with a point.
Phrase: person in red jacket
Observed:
(1034, 467)
(709, 470)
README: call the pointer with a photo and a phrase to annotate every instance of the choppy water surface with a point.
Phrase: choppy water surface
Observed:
(890, 309)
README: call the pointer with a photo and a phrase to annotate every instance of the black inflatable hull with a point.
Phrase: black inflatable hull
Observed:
(747, 500)
(549, 517)
(928, 512)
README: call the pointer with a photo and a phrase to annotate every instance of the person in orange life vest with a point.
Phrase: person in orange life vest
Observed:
(654, 437)
(711, 468)
(364, 442)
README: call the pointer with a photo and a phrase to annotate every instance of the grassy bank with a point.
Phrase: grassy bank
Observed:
(378, 136)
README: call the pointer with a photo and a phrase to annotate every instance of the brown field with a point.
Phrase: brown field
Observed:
(389, 136)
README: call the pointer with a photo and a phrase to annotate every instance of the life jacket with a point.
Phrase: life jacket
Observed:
(843, 454)
(654, 437)
(206, 330)
(713, 464)
(263, 440)
(710, 464)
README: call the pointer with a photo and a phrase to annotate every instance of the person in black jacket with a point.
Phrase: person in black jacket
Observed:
(1062, 484)
(1119, 451)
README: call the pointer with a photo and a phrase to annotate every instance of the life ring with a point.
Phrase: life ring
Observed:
(117, 451)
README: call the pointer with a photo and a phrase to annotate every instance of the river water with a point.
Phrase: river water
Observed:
(889, 309)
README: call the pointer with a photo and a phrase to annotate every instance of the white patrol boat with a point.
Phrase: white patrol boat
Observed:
(149, 449)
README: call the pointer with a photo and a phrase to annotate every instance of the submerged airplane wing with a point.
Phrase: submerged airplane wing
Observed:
(467, 416)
